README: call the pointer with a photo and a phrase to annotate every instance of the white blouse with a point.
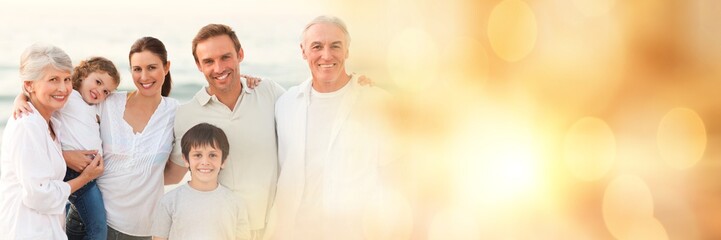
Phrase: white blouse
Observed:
(80, 129)
(132, 183)
(32, 191)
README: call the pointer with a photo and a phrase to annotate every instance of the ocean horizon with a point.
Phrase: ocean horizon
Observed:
(270, 47)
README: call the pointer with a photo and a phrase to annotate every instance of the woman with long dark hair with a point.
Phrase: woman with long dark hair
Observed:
(137, 134)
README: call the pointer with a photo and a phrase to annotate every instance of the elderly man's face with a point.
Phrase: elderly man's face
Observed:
(325, 48)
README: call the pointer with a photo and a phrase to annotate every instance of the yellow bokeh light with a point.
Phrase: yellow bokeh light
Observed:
(649, 228)
(681, 138)
(499, 161)
(413, 59)
(454, 223)
(708, 15)
(585, 64)
(594, 8)
(589, 149)
(627, 202)
(466, 61)
(388, 216)
(512, 30)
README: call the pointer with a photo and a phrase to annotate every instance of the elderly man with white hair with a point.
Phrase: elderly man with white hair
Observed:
(329, 147)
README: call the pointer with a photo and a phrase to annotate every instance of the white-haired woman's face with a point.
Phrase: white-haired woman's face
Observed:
(50, 93)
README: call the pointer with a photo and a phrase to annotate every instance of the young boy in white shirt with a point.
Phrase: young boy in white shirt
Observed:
(202, 208)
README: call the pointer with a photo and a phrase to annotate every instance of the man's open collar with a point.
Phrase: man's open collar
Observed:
(304, 88)
(204, 98)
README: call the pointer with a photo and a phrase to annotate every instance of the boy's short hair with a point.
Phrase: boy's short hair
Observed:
(91, 65)
(205, 134)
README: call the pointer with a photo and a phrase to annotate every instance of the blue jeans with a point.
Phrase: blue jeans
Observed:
(86, 219)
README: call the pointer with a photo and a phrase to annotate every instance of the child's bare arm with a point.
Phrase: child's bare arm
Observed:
(21, 106)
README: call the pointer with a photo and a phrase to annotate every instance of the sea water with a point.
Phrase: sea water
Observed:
(270, 42)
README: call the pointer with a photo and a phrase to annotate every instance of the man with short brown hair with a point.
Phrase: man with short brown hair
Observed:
(246, 115)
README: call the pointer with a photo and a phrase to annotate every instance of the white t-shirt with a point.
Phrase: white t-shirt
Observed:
(132, 183)
(251, 169)
(80, 129)
(322, 108)
(32, 191)
(186, 213)
(352, 157)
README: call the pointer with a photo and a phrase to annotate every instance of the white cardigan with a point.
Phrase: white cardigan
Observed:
(355, 154)
(32, 190)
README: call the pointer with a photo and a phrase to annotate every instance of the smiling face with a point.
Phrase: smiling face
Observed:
(148, 73)
(204, 162)
(96, 87)
(325, 48)
(219, 62)
(50, 93)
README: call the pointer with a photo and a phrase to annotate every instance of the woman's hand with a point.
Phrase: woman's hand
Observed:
(91, 171)
(21, 106)
(78, 160)
(251, 81)
(95, 168)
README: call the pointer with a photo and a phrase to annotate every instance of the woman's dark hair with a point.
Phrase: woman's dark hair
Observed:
(156, 47)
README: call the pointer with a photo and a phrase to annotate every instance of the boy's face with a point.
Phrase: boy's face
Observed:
(205, 163)
(96, 87)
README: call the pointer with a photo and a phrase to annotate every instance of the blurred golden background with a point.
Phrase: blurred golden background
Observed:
(557, 119)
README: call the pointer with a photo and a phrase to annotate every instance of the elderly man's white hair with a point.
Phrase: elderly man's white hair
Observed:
(327, 19)
(39, 56)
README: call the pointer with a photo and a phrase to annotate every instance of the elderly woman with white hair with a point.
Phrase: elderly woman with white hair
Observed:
(32, 191)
